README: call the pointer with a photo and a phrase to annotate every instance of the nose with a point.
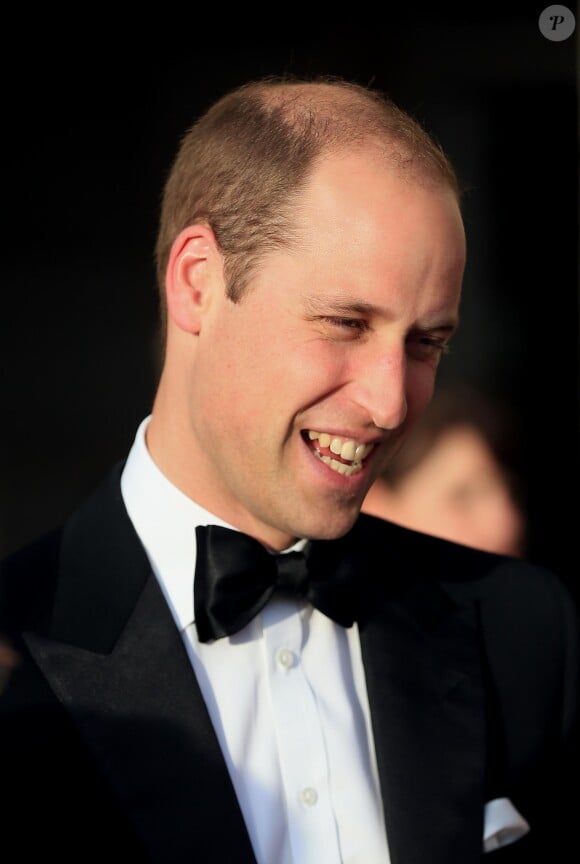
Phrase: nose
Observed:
(381, 388)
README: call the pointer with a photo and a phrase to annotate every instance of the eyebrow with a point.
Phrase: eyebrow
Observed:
(324, 303)
(352, 306)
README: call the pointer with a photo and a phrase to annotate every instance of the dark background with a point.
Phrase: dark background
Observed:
(92, 120)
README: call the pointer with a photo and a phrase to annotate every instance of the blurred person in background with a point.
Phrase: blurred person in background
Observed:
(454, 477)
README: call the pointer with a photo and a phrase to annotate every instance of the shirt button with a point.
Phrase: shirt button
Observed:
(309, 796)
(285, 658)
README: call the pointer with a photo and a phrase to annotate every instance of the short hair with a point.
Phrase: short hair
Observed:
(244, 161)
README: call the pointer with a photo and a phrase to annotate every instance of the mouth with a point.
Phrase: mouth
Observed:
(346, 456)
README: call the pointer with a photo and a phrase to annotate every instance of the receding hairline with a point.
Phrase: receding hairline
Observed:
(242, 166)
(352, 115)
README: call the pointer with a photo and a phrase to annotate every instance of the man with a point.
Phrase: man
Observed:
(384, 696)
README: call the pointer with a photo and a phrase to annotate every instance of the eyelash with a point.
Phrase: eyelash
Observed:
(348, 323)
(435, 342)
(361, 325)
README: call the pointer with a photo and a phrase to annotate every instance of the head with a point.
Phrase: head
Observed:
(310, 258)
(454, 476)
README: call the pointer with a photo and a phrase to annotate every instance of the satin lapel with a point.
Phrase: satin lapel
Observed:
(422, 666)
(133, 695)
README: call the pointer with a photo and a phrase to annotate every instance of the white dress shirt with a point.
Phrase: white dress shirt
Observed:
(286, 695)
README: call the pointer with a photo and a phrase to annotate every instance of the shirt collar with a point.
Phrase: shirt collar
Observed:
(165, 520)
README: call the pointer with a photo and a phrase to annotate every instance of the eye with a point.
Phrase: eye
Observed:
(426, 346)
(356, 324)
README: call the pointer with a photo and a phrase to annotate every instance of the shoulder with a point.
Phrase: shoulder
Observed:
(512, 594)
(527, 616)
(463, 570)
(29, 576)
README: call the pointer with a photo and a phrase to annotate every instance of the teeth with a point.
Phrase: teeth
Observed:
(336, 446)
(346, 448)
(340, 467)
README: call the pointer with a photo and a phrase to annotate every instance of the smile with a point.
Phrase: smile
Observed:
(342, 455)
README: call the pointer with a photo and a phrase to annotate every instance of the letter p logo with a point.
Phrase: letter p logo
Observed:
(557, 23)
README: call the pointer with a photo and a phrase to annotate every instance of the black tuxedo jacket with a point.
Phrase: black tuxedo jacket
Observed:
(108, 753)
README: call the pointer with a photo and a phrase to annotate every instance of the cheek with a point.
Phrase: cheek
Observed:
(252, 392)
(217, 386)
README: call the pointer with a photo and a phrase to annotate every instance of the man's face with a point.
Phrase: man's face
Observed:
(303, 389)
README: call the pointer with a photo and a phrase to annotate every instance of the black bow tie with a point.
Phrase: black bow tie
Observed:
(235, 576)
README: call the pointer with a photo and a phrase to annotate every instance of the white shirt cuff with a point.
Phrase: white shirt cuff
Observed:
(502, 824)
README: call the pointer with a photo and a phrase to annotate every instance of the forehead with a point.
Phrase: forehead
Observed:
(363, 184)
(365, 218)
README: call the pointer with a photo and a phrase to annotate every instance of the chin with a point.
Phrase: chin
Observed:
(331, 528)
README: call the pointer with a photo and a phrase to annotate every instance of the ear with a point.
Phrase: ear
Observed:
(194, 270)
